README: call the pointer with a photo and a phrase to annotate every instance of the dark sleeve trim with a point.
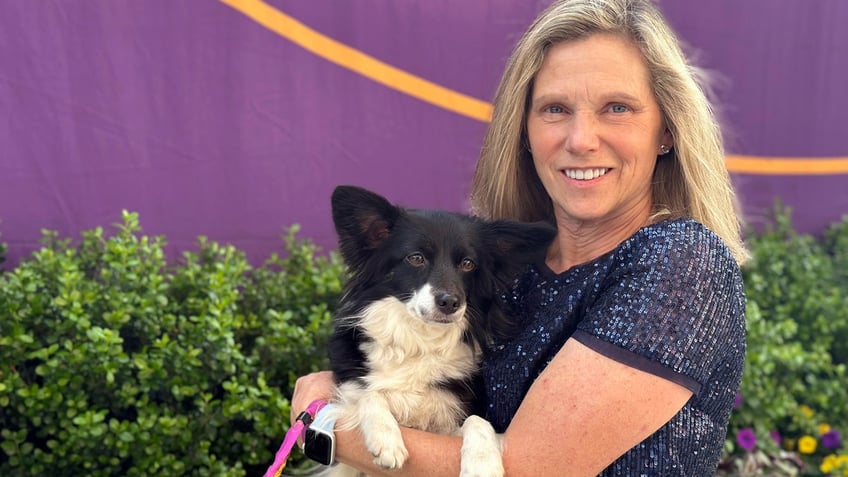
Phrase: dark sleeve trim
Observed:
(634, 360)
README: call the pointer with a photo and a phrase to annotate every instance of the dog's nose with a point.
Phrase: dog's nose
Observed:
(448, 303)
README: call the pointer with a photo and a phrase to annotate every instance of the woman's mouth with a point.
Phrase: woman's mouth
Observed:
(585, 174)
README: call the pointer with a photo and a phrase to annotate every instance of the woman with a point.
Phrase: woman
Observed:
(633, 335)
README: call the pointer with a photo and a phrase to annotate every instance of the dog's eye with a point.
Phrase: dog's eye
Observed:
(466, 265)
(416, 259)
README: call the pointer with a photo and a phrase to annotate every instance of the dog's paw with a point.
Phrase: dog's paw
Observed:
(481, 449)
(386, 445)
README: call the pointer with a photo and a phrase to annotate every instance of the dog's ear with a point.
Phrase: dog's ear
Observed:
(518, 241)
(508, 246)
(363, 220)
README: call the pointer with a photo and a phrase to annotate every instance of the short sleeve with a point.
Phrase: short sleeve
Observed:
(671, 306)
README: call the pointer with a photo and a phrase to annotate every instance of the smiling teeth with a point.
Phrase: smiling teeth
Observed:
(585, 174)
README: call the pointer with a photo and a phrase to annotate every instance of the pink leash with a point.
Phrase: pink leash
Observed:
(295, 431)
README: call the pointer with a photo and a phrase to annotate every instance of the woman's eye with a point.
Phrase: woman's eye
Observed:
(466, 265)
(555, 109)
(619, 108)
(416, 259)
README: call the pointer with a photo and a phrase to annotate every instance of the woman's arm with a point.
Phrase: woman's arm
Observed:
(583, 412)
(430, 454)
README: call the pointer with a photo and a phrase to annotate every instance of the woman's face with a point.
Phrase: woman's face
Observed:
(595, 130)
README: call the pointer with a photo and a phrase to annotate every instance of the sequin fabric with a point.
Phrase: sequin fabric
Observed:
(670, 301)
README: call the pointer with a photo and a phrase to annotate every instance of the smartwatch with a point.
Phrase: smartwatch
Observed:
(320, 442)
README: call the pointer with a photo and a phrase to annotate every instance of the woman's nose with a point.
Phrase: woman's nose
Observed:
(582, 133)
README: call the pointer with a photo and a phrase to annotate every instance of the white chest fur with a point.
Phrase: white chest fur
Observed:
(408, 357)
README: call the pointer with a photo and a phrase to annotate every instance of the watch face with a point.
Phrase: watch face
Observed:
(319, 447)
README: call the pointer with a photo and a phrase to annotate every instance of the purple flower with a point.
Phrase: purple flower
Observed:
(776, 437)
(746, 439)
(738, 401)
(831, 439)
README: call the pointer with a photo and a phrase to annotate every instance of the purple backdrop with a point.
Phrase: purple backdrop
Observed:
(208, 123)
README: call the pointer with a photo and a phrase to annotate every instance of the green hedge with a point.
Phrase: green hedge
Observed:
(795, 389)
(114, 363)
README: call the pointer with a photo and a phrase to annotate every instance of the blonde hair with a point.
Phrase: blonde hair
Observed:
(690, 181)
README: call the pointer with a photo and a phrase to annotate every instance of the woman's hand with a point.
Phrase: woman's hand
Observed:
(320, 385)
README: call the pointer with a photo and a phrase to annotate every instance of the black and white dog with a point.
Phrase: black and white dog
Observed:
(419, 304)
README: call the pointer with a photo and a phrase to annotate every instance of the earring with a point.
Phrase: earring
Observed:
(664, 149)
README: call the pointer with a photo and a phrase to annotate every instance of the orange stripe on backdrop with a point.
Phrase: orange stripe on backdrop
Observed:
(789, 166)
(395, 78)
(357, 61)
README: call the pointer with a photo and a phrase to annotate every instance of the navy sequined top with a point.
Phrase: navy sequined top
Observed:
(669, 301)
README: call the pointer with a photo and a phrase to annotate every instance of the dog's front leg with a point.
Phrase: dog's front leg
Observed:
(481, 449)
(381, 431)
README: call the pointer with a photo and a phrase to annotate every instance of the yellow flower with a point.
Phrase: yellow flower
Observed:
(823, 429)
(806, 410)
(807, 445)
(828, 464)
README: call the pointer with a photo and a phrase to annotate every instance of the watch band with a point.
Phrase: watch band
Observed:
(319, 444)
